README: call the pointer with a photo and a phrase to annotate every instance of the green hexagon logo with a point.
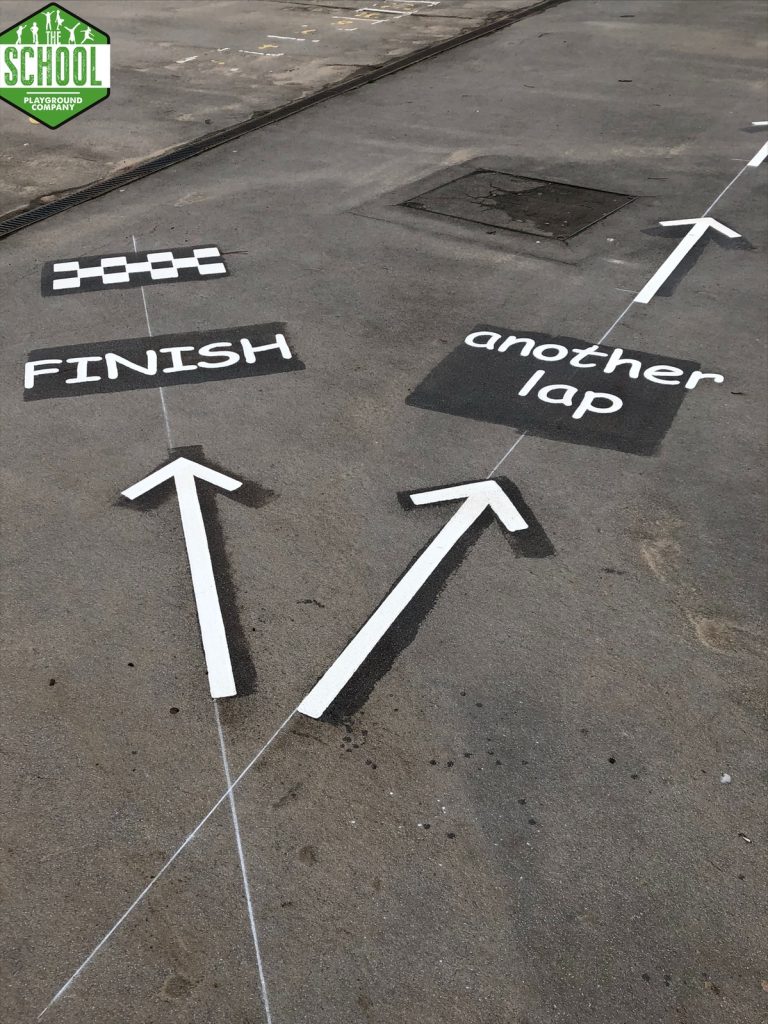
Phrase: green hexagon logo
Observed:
(54, 65)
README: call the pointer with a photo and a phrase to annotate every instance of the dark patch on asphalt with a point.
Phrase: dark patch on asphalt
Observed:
(166, 360)
(308, 855)
(176, 986)
(486, 385)
(290, 794)
(533, 206)
(249, 494)
(530, 543)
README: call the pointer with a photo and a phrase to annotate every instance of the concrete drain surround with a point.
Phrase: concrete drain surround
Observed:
(532, 206)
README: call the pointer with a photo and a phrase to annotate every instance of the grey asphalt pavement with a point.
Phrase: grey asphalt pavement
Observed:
(545, 800)
(182, 70)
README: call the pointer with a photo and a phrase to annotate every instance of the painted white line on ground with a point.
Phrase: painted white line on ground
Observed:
(163, 405)
(220, 480)
(243, 867)
(161, 871)
(733, 181)
(506, 454)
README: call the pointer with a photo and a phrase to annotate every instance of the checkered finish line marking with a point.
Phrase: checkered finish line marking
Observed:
(132, 269)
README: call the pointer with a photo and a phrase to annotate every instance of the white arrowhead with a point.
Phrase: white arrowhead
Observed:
(699, 226)
(485, 492)
(703, 223)
(476, 498)
(184, 473)
(181, 467)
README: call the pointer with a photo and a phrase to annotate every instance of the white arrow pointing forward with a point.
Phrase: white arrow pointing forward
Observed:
(184, 471)
(477, 497)
(699, 228)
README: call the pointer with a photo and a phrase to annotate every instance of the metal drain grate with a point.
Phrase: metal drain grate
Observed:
(533, 206)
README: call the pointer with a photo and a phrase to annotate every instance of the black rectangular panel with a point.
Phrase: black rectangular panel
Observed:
(485, 384)
(196, 357)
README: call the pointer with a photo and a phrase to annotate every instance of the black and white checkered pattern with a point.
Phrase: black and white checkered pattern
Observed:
(131, 269)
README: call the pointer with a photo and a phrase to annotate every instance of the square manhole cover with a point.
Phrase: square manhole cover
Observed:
(550, 209)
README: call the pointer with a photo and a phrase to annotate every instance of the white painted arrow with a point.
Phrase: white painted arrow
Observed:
(477, 497)
(184, 471)
(699, 228)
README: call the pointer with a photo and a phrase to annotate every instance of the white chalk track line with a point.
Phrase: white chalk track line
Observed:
(229, 794)
(166, 421)
(222, 743)
(182, 846)
(615, 324)
(243, 867)
(507, 454)
(620, 317)
(280, 728)
(731, 182)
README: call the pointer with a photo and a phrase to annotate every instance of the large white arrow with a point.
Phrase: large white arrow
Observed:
(477, 497)
(184, 473)
(699, 228)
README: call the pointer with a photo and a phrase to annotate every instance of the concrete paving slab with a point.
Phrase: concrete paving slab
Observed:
(523, 818)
